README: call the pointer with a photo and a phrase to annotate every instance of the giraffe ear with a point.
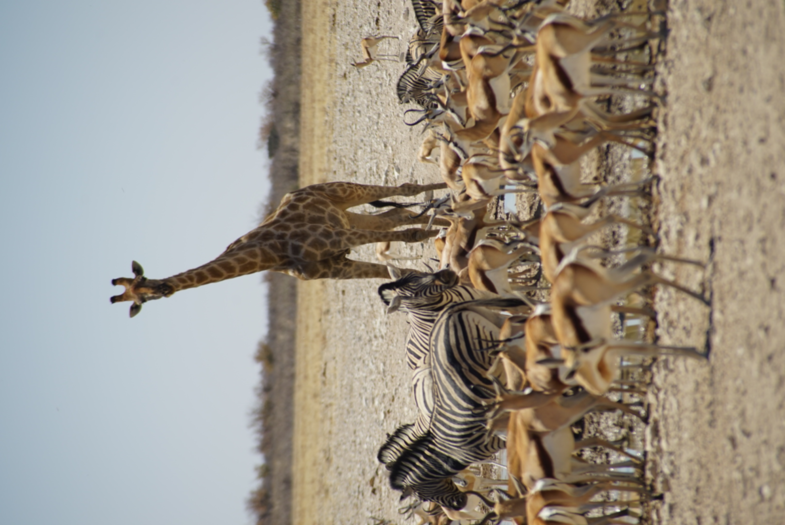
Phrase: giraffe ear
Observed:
(135, 309)
(137, 269)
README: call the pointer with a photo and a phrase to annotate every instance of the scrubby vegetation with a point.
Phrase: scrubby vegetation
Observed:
(273, 417)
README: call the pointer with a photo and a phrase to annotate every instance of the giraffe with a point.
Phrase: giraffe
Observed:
(309, 236)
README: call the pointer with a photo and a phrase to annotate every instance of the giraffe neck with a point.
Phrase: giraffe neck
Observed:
(228, 265)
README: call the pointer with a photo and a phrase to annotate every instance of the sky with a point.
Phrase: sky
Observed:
(128, 131)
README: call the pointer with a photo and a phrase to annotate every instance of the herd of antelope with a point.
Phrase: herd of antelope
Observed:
(510, 93)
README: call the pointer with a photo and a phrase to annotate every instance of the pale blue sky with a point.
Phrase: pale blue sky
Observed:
(127, 131)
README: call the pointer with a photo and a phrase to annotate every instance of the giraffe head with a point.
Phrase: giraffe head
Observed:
(140, 289)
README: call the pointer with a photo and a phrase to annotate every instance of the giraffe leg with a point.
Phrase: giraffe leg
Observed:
(348, 194)
(389, 220)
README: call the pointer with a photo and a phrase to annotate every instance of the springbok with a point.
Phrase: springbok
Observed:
(562, 230)
(429, 143)
(490, 259)
(563, 58)
(370, 55)
(559, 175)
(529, 345)
(466, 230)
(581, 300)
(532, 455)
(523, 124)
(383, 253)
(527, 340)
(484, 180)
(553, 501)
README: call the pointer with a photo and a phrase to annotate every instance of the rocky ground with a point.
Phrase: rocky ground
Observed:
(716, 439)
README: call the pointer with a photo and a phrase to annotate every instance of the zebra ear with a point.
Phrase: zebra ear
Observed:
(395, 303)
(395, 273)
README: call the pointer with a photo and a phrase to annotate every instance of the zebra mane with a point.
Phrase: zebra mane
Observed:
(396, 444)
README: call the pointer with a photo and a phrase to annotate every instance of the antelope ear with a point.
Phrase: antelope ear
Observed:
(551, 362)
(395, 273)
(135, 309)
(395, 303)
(519, 486)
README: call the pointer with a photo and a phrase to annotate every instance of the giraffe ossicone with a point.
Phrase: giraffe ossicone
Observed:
(309, 237)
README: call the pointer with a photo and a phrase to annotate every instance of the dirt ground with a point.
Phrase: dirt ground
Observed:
(716, 439)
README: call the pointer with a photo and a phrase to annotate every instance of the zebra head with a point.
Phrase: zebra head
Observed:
(416, 284)
(421, 468)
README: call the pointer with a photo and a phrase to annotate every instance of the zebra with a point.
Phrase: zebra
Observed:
(424, 460)
(418, 82)
(428, 15)
(423, 296)
(433, 292)
(427, 471)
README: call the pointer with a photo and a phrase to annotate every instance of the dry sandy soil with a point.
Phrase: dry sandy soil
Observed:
(716, 440)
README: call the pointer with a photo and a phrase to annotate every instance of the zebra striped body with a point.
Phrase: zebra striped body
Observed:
(418, 82)
(459, 362)
(423, 314)
(457, 436)
(428, 16)
(428, 471)
(424, 296)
